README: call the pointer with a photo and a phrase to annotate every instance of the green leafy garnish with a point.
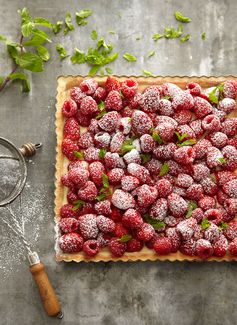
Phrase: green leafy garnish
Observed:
(219, 90)
(156, 224)
(185, 38)
(105, 181)
(127, 146)
(222, 160)
(77, 204)
(203, 35)
(145, 157)
(181, 137)
(103, 194)
(57, 27)
(93, 70)
(43, 53)
(191, 206)
(101, 114)
(29, 61)
(62, 51)
(164, 169)
(78, 57)
(138, 38)
(78, 154)
(68, 23)
(129, 57)
(166, 97)
(102, 153)
(223, 225)
(147, 73)
(21, 76)
(189, 142)
(171, 32)
(109, 70)
(157, 138)
(180, 17)
(125, 238)
(157, 36)
(94, 35)
(151, 53)
(81, 15)
(205, 224)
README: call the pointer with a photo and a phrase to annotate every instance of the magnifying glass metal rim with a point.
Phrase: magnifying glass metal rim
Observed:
(23, 172)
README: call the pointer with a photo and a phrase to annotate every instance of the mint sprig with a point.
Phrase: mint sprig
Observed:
(156, 224)
(129, 57)
(82, 15)
(127, 146)
(164, 170)
(62, 51)
(78, 154)
(125, 238)
(191, 206)
(180, 17)
(77, 204)
(205, 224)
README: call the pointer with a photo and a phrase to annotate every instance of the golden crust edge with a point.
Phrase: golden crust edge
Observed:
(64, 83)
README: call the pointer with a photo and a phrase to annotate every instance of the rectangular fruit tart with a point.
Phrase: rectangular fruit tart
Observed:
(146, 169)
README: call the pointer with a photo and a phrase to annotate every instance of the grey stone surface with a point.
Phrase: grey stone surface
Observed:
(142, 293)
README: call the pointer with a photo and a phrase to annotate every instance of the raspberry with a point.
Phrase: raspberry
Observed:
(89, 106)
(103, 239)
(116, 142)
(67, 225)
(103, 207)
(175, 239)
(71, 129)
(71, 243)
(91, 247)
(146, 195)
(184, 155)
(230, 89)
(78, 176)
(96, 170)
(179, 190)
(231, 206)
(134, 245)
(147, 143)
(93, 126)
(89, 86)
(220, 114)
(186, 228)
(209, 187)
(99, 94)
(113, 101)
(165, 119)
(163, 246)
(67, 211)
(187, 169)
(196, 126)
(127, 112)
(194, 192)
(145, 232)
(227, 105)
(153, 166)
(174, 169)
(124, 125)
(109, 121)
(69, 108)
(220, 246)
(206, 203)
(226, 217)
(88, 192)
(194, 88)
(230, 188)
(88, 226)
(132, 219)
(115, 175)
(233, 142)
(183, 100)
(117, 248)
(78, 164)
(150, 244)
(201, 107)
(233, 247)
(68, 148)
(187, 247)
(204, 249)
(113, 160)
(183, 116)
(211, 123)
(214, 157)
(200, 171)
(83, 120)
(120, 230)
(87, 208)
(212, 233)
(201, 148)
(164, 187)
(104, 224)
(229, 127)
(165, 130)
(132, 156)
(71, 196)
(230, 156)
(218, 139)
(129, 88)
(86, 140)
(129, 183)
(231, 231)
(221, 197)
(198, 214)
(112, 84)
(140, 172)
(122, 200)
(159, 209)
(91, 154)
(184, 180)
(187, 131)
(177, 205)
(165, 151)
(170, 90)
(141, 123)
(102, 139)
(150, 99)
(165, 107)
(213, 215)
(77, 95)
(66, 182)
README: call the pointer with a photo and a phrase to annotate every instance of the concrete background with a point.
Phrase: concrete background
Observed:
(148, 293)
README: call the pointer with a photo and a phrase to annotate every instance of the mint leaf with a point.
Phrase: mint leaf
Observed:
(164, 169)
(35, 41)
(157, 36)
(129, 57)
(105, 181)
(27, 29)
(25, 15)
(109, 70)
(12, 51)
(223, 225)
(41, 34)
(151, 53)
(203, 35)
(57, 27)
(214, 98)
(138, 38)
(222, 160)
(102, 153)
(101, 106)
(145, 157)
(1, 80)
(125, 238)
(43, 22)
(62, 51)
(78, 57)
(103, 194)
(94, 35)
(170, 32)
(127, 146)
(68, 23)
(77, 204)
(166, 97)
(157, 138)
(189, 142)
(181, 136)
(191, 206)
(147, 73)
(43, 53)
(185, 38)
(205, 224)
(30, 61)
(156, 224)
(101, 114)
(79, 154)
(81, 15)
(21, 76)
(93, 70)
(180, 17)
